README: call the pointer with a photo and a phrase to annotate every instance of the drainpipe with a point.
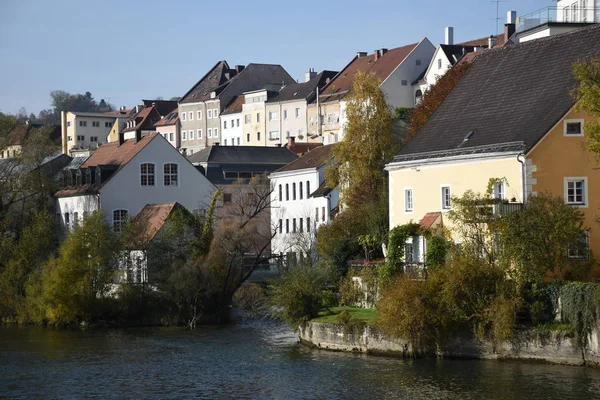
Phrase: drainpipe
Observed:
(521, 159)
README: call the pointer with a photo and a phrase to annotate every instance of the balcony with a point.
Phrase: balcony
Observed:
(558, 15)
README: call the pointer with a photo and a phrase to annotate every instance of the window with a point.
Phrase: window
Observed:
(69, 138)
(200, 114)
(108, 124)
(323, 214)
(498, 190)
(284, 114)
(208, 114)
(171, 136)
(316, 214)
(183, 116)
(80, 138)
(67, 221)
(216, 132)
(191, 134)
(573, 127)
(280, 193)
(209, 133)
(280, 226)
(191, 116)
(404, 82)
(301, 225)
(225, 142)
(216, 113)
(297, 113)
(439, 63)
(580, 251)
(566, 14)
(238, 141)
(258, 136)
(287, 225)
(576, 191)
(147, 174)
(248, 138)
(294, 225)
(257, 117)
(418, 62)
(408, 200)
(184, 135)
(446, 198)
(93, 138)
(224, 125)
(247, 119)
(288, 134)
(82, 123)
(307, 224)
(307, 189)
(199, 133)
(237, 123)
(294, 191)
(88, 176)
(226, 197)
(119, 218)
(75, 218)
(273, 116)
(287, 192)
(68, 123)
(273, 135)
(300, 190)
(170, 174)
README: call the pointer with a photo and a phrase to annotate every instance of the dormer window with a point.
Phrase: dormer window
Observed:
(88, 176)
(213, 95)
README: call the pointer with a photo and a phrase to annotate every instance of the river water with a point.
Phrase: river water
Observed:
(254, 360)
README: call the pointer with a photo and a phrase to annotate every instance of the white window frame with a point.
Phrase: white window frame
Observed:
(199, 133)
(224, 124)
(120, 221)
(572, 121)
(170, 175)
(409, 206)
(247, 119)
(583, 179)
(297, 112)
(147, 174)
(191, 135)
(215, 113)
(443, 205)
(209, 133)
(191, 115)
(184, 135)
(577, 257)
(183, 115)
(208, 114)
(499, 190)
(199, 114)
(215, 132)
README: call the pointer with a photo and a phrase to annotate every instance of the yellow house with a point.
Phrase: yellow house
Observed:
(511, 116)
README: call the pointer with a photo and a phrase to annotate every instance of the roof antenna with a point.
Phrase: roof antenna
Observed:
(498, 11)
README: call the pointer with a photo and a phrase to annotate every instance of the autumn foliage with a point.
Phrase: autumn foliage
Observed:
(435, 96)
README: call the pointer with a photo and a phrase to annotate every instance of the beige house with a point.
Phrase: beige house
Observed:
(83, 132)
(287, 111)
(254, 117)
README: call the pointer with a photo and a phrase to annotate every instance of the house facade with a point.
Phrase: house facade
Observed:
(287, 111)
(528, 146)
(254, 118)
(398, 69)
(121, 178)
(300, 203)
(169, 128)
(82, 133)
(200, 108)
(232, 123)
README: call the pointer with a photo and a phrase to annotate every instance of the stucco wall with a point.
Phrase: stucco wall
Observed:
(556, 157)
(233, 134)
(426, 182)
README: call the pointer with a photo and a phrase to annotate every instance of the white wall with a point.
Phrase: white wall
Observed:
(124, 190)
(76, 204)
(232, 135)
(435, 72)
(398, 95)
(300, 208)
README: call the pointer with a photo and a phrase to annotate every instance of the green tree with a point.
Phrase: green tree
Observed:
(587, 93)
(359, 160)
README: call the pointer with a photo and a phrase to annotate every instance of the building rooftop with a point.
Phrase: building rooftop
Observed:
(313, 159)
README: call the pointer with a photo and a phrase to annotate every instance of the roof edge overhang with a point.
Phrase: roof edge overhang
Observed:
(393, 166)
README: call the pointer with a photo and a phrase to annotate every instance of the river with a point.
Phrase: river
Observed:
(254, 360)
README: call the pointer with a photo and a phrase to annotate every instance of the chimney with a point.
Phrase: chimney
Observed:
(510, 27)
(291, 141)
(121, 138)
(309, 75)
(449, 35)
(239, 68)
(361, 54)
(122, 108)
(376, 54)
(492, 41)
(278, 145)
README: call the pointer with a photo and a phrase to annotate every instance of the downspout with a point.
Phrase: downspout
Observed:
(521, 159)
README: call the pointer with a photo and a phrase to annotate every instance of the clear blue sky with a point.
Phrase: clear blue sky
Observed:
(126, 50)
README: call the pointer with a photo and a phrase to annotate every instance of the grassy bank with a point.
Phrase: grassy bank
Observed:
(331, 315)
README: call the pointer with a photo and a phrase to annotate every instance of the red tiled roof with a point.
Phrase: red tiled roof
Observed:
(113, 154)
(151, 219)
(235, 106)
(302, 148)
(382, 68)
(171, 118)
(430, 219)
(144, 120)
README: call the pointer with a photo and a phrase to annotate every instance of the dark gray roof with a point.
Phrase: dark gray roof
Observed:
(304, 90)
(511, 94)
(322, 191)
(455, 52)
(243, 155)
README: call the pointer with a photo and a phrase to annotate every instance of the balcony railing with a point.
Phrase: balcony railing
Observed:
(555, 14)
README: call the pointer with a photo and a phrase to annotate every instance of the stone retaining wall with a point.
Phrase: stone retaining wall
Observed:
(554, 347)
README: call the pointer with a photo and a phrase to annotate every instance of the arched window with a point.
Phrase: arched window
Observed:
(119, 218)
(170, 174)
(147, 174)
(418, 97)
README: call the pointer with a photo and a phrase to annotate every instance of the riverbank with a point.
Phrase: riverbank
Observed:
(554, 347)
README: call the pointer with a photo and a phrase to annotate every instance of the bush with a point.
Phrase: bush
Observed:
(299, 293)
(250, 297)
(437, 249)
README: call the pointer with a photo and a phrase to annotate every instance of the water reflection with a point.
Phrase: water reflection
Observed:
(254, 360)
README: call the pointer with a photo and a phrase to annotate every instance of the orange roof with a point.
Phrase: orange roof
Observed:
(302, 148)
(236, 105)
(151, 219)
(113, 154)
(145, 119)
(171, 118)
(382, 68)
(430, 219)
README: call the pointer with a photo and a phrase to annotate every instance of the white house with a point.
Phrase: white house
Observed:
(301, 202)
(231, 123)
(120, 178)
